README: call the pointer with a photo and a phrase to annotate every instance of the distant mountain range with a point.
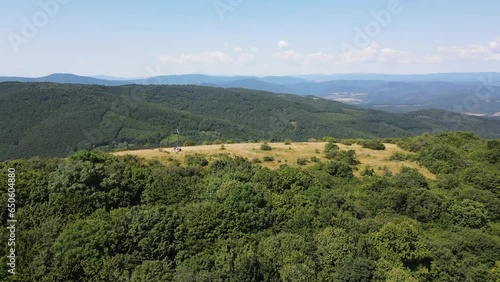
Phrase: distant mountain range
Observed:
(459, 77)
(469, 93)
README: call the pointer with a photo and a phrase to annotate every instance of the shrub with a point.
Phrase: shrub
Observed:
(288, 142)
(188, 143)
(339, 169)
(389, 140)
(222, 147)
(256, 160)
(196, 160)
(314, 159)
(387, 171)
(398, 156)
(345, 156)
(329, 147)
(331, 155)
(347, 142)
(302, 161)
(265, 147)
(268, 159)
(372, 144)
(328, 139)
(368, 171)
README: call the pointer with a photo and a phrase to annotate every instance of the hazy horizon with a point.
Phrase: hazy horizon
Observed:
(257, 38)
(111, 77)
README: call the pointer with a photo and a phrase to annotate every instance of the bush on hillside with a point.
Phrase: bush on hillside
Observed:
(265, 147)
(372, 144)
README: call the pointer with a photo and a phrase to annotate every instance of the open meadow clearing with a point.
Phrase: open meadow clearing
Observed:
(286, 154)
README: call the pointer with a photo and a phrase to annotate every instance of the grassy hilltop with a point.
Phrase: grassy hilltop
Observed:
(289, 154)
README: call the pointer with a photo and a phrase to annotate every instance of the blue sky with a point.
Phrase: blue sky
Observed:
(248, 37)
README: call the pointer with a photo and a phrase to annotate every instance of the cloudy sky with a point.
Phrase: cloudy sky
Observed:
(247, 37)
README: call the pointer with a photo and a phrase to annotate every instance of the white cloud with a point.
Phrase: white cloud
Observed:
(393, 56)
(374, 54)
(282, 44)
(320, 58)
(378, 54)
(289, 55)
(244, 58)
(208, 58)
(432, 59)
(487, 52)
(371, 54)
(495, 45)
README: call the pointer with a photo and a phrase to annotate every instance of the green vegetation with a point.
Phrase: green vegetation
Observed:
(48, 119)
(372, 144)
(196, 159)
(99, 217)
(332, 152)
(302, 161)
(268, 159)
(187, 143)
(368, 171)
(398, 156)
(265, 147)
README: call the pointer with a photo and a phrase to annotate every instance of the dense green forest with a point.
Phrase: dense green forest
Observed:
(98, 217)
(54, 120)
(395, 93)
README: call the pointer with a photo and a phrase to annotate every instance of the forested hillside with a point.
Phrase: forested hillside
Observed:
(467, 93)
(48, 119)
(98, 217)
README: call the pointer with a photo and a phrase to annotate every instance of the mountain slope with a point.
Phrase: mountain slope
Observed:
(50, 119)
(64, 78)
(469, 93)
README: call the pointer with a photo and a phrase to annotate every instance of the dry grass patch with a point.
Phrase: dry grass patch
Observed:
(286, 154)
